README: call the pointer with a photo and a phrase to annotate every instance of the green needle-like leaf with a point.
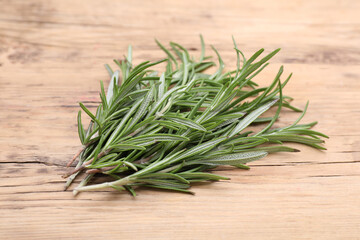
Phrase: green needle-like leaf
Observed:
(234, 159)
(251, 117)
(81, 130)
(186, 122)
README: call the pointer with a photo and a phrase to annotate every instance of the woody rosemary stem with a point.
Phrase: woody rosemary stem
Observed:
(83, 166)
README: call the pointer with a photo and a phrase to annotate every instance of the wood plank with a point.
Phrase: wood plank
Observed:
(52, 55)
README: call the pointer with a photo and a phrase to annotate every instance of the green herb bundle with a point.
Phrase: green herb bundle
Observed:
(167, 130)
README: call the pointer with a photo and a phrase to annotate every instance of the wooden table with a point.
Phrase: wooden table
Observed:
(52, 55)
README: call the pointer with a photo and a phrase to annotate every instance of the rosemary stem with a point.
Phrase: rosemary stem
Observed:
(81, 167)
(77, 154)
(76, 170)
(72, 177)
(74, 157)
(83, 182)
(120, 182)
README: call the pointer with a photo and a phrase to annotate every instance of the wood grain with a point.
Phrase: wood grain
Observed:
(52, 55)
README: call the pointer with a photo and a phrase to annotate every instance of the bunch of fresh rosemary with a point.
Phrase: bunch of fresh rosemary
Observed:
(167, 131)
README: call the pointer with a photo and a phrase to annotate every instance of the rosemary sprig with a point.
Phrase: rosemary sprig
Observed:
(167, 130)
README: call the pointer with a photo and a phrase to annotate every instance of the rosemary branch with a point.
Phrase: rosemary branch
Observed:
(168, 130)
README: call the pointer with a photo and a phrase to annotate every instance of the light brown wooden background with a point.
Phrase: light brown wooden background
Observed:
(52, 55)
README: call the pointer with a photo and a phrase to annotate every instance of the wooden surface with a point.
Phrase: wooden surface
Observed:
(52, 55)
